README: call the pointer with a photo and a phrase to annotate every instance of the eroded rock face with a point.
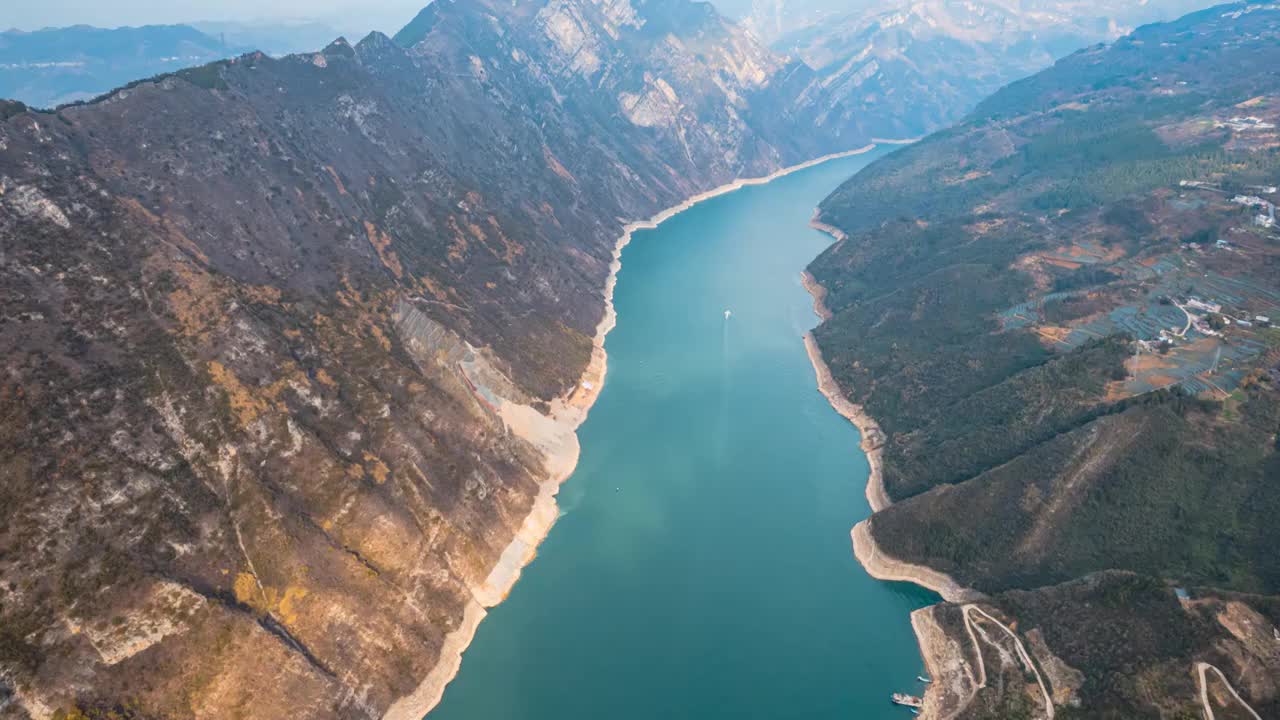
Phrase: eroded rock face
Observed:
(285, 342)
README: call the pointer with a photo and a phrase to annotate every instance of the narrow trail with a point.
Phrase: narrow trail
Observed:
(1187, 328)
(1202, 669)
(1023, 655)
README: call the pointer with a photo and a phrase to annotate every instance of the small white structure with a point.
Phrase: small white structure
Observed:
(1244, 124)
(728, 314)
(1249, 201)
(1209, 307)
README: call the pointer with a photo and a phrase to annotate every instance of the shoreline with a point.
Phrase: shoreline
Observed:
(906, 141)
(816, 223)
(819, 294)
(568, 413)
(882, 566)
(878, 564)
(930, 639)
(872, 436)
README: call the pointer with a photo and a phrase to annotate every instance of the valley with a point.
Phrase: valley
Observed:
(297, 355)
(294, 348)
(699, 562)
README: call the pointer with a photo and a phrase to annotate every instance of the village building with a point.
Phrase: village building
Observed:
(1249, 201)
(1209, 307)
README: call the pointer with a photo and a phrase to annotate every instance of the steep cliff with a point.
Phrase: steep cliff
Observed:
(293, 349)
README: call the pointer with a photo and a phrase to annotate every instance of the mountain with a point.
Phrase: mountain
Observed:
(274, 37)
(777, 19)
(294, 349)
(920, 66)
(54, 66)
(1058, 313)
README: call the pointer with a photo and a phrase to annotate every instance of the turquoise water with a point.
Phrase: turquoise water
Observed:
(702, 565)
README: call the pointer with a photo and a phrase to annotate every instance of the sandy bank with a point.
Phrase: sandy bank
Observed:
(835, 232)
(883, 566)
(818, 293)
(907, 141)
(872, 436)
(556, 436)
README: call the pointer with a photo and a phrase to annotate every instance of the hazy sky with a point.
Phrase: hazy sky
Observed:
(385, 15)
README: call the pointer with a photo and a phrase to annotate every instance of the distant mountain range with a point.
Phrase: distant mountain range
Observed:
(902, 68)
(276, 37)
(773, 20)
(921, 65)
(50, 67)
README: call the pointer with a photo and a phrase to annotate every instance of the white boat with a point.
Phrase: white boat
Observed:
(923, 679)
(728, 314)
(910, 701)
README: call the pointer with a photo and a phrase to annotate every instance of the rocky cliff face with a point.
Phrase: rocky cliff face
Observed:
(292, 349)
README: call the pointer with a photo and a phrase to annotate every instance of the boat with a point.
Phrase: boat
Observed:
(923, 679)
(728, 314)
(910, 701)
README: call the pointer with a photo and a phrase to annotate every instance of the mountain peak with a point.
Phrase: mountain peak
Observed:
(417, 28)
(339, 48)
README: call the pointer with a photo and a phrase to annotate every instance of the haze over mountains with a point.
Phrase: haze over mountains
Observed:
(924, 64)
(51, 67)
(902, 68)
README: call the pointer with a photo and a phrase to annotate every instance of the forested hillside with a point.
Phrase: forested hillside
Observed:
(1059, 312)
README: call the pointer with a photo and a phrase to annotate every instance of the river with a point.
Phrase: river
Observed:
(701, 567)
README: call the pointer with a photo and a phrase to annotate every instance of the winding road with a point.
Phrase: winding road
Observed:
(1023, 655)
(1201, 670)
